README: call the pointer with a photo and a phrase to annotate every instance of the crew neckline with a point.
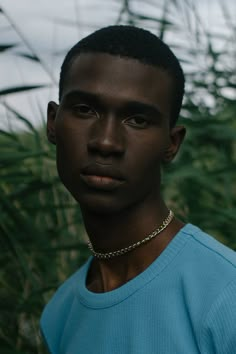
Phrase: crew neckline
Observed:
(113, 297)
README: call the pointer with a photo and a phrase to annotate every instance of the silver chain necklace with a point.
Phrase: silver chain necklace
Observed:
(124, 250)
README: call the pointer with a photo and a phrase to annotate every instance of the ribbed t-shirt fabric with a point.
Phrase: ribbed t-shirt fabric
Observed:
(183, 303)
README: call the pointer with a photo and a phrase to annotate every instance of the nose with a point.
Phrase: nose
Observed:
(106, 137)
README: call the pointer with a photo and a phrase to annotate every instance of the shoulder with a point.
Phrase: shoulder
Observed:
(206, 265)
(209, 276)
(218, 333)
(55, 313)
(209, 249)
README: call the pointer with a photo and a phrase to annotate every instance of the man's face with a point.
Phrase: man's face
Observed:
(112, 132)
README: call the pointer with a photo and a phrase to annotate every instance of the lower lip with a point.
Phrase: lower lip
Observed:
(101, 182)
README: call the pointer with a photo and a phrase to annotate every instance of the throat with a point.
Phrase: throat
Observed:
(103, 277)
(108, 274)
(133, 246)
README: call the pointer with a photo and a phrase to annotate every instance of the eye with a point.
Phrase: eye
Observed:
(84, 110)
(138, 121)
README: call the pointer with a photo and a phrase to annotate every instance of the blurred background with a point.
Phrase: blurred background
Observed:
(42, 238)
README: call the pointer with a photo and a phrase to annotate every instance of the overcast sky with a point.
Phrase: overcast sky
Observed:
(49, 28)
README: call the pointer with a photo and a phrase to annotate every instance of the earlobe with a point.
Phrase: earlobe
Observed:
(51, 117)
(177, 135)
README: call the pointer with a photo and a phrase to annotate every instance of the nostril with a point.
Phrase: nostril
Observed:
(105, 146)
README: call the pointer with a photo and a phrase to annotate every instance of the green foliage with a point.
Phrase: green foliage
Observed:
(200, 184)
(41, 233)
(42, 239)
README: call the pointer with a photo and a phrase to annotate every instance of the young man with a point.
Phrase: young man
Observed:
(153, 285)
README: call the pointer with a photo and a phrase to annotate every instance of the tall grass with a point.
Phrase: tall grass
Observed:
(41, 231)
(41, 236)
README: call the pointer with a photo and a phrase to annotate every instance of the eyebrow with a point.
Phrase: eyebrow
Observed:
(88, 96)
(132, 105)
(143, 108)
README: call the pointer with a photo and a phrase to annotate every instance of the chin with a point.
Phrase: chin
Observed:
(99, 208)
(99, 204)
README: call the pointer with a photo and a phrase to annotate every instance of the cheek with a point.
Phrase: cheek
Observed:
(145, 169)
(148, 156)
(70, 148)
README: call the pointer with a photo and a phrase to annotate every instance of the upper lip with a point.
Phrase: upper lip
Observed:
(103, 170)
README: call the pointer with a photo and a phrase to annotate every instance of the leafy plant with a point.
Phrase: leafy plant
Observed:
(41, 232)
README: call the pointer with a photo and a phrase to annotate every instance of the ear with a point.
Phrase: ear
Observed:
(51, 117)
(177, 135)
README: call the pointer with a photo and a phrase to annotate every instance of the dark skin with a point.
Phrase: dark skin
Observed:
(112, 132)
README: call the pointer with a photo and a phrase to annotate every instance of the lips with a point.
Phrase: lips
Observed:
(99, 176)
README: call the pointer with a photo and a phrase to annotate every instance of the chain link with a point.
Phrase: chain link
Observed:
(124, 250)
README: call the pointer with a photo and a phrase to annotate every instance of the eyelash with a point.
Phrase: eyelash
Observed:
(77, 109)
(93, 113)
(145, 122)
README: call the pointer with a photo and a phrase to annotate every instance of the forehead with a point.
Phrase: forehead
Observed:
(119, 78)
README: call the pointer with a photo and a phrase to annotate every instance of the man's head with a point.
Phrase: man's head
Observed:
(115, 122)
(134, 43)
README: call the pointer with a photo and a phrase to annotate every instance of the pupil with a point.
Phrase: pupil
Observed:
(84, 109)
(139, 120)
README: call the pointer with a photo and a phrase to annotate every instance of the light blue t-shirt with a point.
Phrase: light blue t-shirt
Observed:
(183, 303)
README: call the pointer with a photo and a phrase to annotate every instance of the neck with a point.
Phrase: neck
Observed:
(133, 246)
(111, 232)
(108, 232)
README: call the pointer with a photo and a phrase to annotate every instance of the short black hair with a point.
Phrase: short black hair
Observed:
(134, 43)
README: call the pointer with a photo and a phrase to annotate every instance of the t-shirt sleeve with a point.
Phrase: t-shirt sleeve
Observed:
(219, 331)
